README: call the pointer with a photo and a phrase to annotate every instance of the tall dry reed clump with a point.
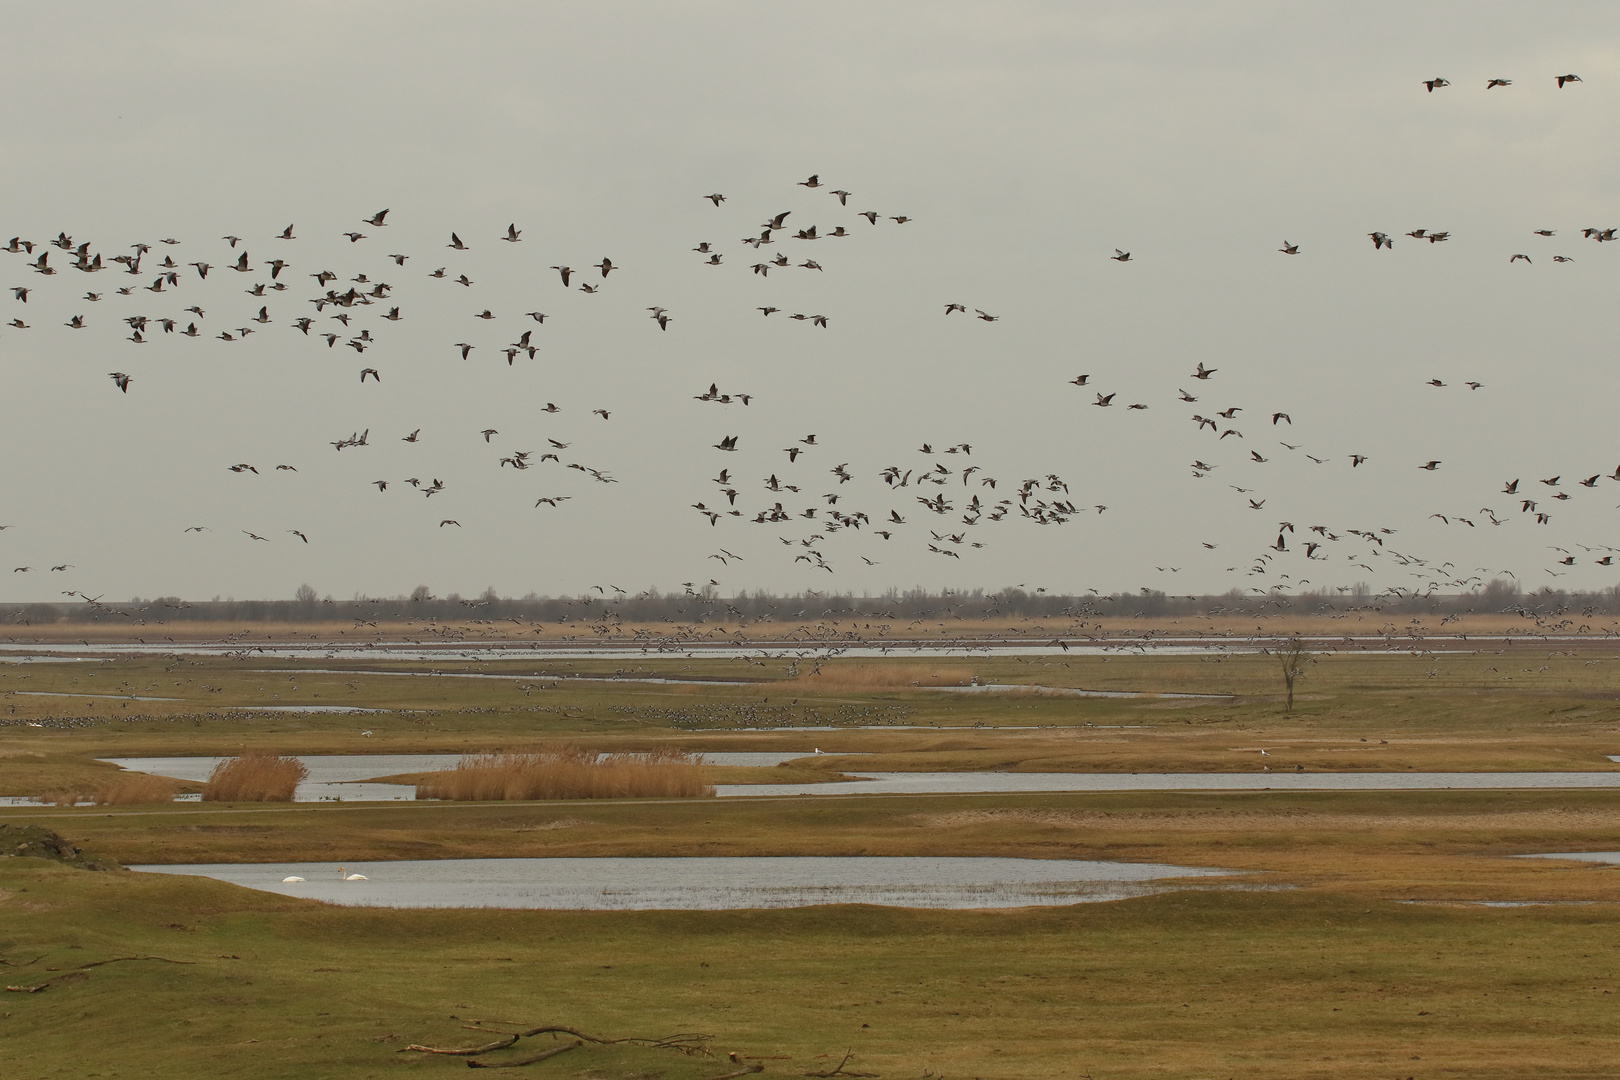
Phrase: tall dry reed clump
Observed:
(128, 788)
(256, 776)
(569, 772)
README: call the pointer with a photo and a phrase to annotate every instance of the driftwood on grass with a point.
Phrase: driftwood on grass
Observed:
(687, 1042)
(839, 1071)
(82, 968)
(739, 1072)
(530, 1060)
(499, 1044)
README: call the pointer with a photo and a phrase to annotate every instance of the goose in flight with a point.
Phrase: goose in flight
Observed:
(716, 198)
(566, 272)
(985, 317)
(1516, 258)
(121, 380)
(1562, 79)
(1204, 372)
(369, 371)
(1381, 240)
(513, 234)
(1289, 249)
(813, 182)
(1498, 82)
(455, 242)
(1120, 256)
(376, 220)
(1434, 84)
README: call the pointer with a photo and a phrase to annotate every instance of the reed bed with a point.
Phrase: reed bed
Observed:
(128, 789)
(256, 776)
(568, 772)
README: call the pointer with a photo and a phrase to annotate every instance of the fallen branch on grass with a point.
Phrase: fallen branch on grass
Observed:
(739, 1072)
(530, 1060)
(687, 1042)
(498, 1044)
(82, 968)
(839, 1071)
(682, 1041)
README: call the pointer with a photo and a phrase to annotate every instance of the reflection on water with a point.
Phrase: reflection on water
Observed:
(635, 884)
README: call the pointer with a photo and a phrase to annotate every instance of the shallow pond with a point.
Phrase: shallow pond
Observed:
(630, 884)
(946, 783)
(337, 776)
(1581, 856)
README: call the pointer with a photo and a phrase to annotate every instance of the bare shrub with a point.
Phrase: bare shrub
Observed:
(129, 788)
(568, 772)
(256, 776)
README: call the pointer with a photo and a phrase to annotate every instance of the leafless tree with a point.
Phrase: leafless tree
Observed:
(1290, 652)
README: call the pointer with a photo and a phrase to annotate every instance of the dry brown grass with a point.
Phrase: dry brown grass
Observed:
(568, 772)
(857, 676)
(132, 788)
(256, 776)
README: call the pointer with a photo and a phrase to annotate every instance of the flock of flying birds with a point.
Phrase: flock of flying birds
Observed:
(938, 496)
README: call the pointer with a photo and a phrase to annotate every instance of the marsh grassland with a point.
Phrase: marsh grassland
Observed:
(1361, 936)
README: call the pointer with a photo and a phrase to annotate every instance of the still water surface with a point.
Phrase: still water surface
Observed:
(706, 883)
(338, 776)
(335, 776)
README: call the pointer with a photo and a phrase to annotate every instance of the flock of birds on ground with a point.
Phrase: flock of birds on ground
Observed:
(939, 494)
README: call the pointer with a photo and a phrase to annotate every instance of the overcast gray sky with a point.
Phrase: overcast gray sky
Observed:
(1027, 141)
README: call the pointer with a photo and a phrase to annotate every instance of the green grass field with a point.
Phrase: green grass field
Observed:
(1356, 943)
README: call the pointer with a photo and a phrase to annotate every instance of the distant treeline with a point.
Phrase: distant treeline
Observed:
(893, 607)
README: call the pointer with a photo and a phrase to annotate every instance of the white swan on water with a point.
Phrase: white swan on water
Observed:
(285, 880)
(351, 877)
